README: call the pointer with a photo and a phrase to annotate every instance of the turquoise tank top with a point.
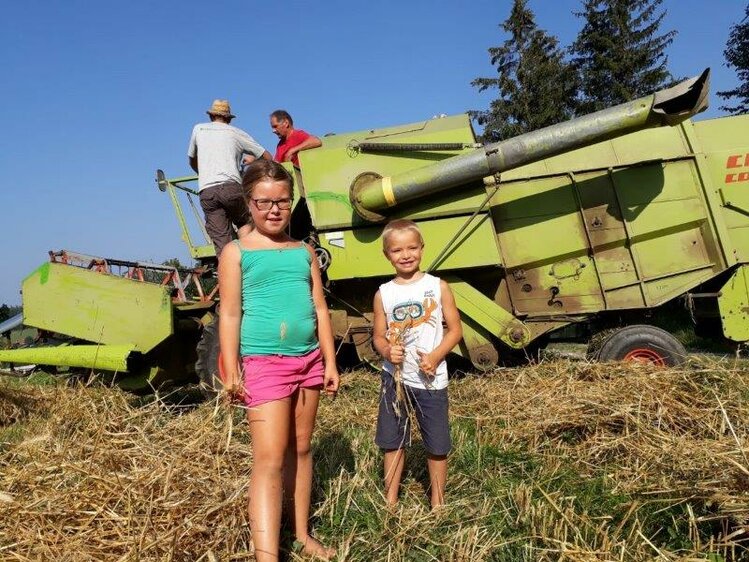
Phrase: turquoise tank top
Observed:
(278, 314)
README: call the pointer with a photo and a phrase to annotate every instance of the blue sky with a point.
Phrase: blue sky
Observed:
(96, 95)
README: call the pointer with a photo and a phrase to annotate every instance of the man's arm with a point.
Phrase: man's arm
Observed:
(192, 151)
(310, 142)
(251, 146)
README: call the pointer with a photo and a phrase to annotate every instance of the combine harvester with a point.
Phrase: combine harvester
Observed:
(585, 226)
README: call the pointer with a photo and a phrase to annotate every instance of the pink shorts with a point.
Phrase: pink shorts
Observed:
(273, 377)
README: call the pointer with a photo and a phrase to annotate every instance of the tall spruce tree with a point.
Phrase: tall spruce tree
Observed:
(536, 85)
(737, 56)
(618, 53)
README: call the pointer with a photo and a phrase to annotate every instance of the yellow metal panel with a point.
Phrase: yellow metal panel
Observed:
(330, 170)
(663, 290)
(625, 297)
(734, 305)
(672, 253)
(531, 240)
(97, 307)
(359, 253)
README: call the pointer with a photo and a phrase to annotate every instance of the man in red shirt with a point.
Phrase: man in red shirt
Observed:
(291, 140)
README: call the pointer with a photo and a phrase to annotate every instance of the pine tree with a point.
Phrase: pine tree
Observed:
(536, 85)
(737, 56)
(618, 52)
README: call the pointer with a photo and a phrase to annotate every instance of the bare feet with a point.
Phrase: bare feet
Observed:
(313, 547)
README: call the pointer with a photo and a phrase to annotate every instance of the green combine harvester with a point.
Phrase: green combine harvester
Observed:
(581, 228)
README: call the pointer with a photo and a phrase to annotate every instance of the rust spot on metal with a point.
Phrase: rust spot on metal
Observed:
(483, 357)
(516, 335)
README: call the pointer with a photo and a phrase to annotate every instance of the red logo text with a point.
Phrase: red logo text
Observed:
(737, 161)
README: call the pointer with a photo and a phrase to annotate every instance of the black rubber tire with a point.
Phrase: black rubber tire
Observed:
(207, 364)
(651, 340)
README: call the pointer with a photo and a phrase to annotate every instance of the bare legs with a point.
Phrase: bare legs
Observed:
(437, 465)
(281, 432)
(298, 471)
(393, 468)
(269, 429)
(394, 462)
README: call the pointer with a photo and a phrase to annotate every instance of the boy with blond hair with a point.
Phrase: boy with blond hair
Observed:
(408, 334)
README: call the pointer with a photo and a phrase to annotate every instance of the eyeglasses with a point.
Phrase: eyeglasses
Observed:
(267, 204)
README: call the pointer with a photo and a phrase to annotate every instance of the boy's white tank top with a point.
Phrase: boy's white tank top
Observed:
(415, 311)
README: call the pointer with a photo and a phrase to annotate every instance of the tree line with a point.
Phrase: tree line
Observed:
(7, 311)
(618, 55)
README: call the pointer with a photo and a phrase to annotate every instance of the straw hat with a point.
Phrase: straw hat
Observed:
(222, 108)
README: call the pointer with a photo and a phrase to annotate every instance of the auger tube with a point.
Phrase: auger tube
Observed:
(372, 195)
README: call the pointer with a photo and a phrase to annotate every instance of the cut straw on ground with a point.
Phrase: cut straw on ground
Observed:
(558, 461)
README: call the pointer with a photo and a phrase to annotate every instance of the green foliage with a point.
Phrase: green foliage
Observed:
(618, 53)
(737, 57)
(536, 85)
(8, 311)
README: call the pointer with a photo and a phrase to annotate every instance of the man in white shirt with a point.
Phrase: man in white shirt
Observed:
(215, 153)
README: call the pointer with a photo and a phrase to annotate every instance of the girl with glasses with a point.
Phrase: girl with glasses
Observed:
(275, 322)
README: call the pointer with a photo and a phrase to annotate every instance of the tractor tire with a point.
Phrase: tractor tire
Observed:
(208, 365)
(642, 343)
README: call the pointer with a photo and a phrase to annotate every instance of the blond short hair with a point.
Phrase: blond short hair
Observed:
(399, 225)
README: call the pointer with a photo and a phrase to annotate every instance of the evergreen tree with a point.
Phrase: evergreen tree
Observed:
(737, 56)
(536, 85)
(618, 53)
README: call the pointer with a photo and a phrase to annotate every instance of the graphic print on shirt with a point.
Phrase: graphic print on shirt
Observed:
(411, 314)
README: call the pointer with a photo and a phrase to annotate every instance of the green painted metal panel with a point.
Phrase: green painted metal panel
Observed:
(733, 304)
(645, 226)
(330, 170)
(198, 252)
(96, 307)
(358, 253)
(488, 314)
(727, 165)
(103, 357)
(528, 215)
(476, 344)
(566, 286)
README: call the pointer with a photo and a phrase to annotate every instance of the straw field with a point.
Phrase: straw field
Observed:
(558, 461)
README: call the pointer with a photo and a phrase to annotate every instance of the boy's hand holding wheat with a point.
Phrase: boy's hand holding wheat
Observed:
(396, 353)
(428, 362)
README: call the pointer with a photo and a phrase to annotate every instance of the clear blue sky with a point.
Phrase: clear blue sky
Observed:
(96, 95)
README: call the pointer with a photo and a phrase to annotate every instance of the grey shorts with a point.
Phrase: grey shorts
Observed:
(224, 205)
(430, 407)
